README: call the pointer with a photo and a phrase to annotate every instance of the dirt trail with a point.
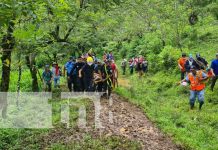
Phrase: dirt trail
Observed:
(129, 121)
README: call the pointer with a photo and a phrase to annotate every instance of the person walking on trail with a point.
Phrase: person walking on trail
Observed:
(197, 86)
(87, 73)
(181, 64)
(56, 71)
(75, 72)
(69, 66)
(202, 63)
(131, 65)
(107, 78)
(47, 78)
(123, 66)
(114, 74)
(97, 76)
(190, 63)
(214, 68)
(111, 56)
(139, 66)
(144, 66)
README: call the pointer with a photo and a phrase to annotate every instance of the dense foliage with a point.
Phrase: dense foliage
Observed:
(46, 31)
(37, 32)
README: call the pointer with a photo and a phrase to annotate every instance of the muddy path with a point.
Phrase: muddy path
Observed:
(118, 118)
(129, 121)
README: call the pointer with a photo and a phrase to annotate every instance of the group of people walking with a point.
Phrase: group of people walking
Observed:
(84, 73)
(87, 73)
(139, 64)
(197, 72)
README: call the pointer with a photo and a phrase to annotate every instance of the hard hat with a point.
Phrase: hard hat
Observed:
(90, 60)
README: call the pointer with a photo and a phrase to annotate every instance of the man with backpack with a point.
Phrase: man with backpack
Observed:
(47, 78)
(123, 66)
(181, 64)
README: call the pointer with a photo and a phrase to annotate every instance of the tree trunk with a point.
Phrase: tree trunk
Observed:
(31, 64)
(8, 43)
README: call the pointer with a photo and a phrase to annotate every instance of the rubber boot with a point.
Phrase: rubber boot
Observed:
(200, 105)
(192, 106)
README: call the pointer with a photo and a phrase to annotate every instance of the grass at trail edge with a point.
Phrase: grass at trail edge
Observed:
(167, 104)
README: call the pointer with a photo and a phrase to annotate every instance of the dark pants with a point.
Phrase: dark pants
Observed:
(98, 87)
(88, 84)
(107, 87)
(124, 70)
(182, 75)
(131, 70)
(69, 84)
(214, 79)
(48, 87)
(144, 68)
(80, 85)
(73, 79)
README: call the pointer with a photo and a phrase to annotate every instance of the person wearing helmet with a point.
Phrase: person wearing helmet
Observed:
(87, 73)
(47, 78)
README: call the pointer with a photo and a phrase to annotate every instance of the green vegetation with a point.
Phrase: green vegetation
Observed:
(35, 33)
(167, 104)
(99, 144)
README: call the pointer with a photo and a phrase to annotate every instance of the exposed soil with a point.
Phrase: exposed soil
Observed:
(128, 121)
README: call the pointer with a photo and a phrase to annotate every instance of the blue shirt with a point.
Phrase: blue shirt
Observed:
(203, 75)
(69, 66)
(214, 66)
